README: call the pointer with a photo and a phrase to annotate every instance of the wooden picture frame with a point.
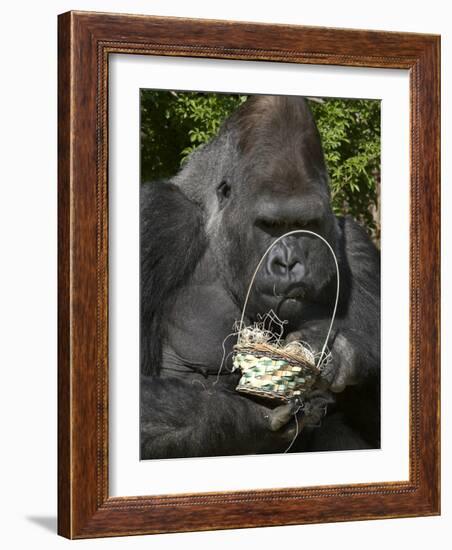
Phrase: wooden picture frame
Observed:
(85, 42)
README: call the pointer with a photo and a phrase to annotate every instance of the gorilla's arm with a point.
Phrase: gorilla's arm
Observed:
(183, 417)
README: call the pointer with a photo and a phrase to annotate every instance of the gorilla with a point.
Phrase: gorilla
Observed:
(202, 235)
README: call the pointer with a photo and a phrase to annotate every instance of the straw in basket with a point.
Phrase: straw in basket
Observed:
(270, 367)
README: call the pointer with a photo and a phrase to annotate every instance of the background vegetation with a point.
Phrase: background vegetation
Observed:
(174, 123)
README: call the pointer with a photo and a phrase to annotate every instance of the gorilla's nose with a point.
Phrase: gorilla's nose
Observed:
(287, 265)
(287, 268)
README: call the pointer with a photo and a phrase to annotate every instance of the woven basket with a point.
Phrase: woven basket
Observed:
(274, 371)
(269, 372)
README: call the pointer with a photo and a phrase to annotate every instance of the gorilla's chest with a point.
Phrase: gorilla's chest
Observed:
(201, 326)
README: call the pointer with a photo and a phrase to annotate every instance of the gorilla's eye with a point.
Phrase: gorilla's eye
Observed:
(276, 228)
(223, 192)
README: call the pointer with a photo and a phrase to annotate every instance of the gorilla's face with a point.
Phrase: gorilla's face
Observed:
(296, 269)
(277, 184)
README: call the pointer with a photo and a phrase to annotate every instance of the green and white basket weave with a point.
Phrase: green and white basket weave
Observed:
(268, 371)
(276, 370)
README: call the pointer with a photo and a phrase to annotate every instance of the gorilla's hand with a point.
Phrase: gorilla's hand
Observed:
(283, 414)
(316, 406)
(287, 421)
(342, 370)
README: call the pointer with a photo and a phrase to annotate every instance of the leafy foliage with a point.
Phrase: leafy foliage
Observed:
(350, 133)
(173, 124)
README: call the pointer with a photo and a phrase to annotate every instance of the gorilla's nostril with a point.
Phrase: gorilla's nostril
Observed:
(297, 270)
(278, 266)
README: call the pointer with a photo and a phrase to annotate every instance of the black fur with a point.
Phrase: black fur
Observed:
(202, 235)
(172, 242)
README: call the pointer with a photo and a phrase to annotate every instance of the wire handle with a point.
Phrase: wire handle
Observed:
(296, 231)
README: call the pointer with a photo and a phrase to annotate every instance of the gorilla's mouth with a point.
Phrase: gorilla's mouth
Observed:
(291, 300)
(287, 303)
(293, 292)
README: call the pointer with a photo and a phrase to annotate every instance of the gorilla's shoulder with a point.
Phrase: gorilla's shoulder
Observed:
(356, 235)
(172, 242)
(361, 252)
(166, 200)
(170, 221)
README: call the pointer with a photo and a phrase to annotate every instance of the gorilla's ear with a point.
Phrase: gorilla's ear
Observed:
(223, 192)
(172, 242)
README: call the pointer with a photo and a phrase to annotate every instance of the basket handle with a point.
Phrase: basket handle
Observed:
(294, 232)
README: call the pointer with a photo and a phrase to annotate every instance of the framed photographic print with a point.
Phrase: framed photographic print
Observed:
(248, 275)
